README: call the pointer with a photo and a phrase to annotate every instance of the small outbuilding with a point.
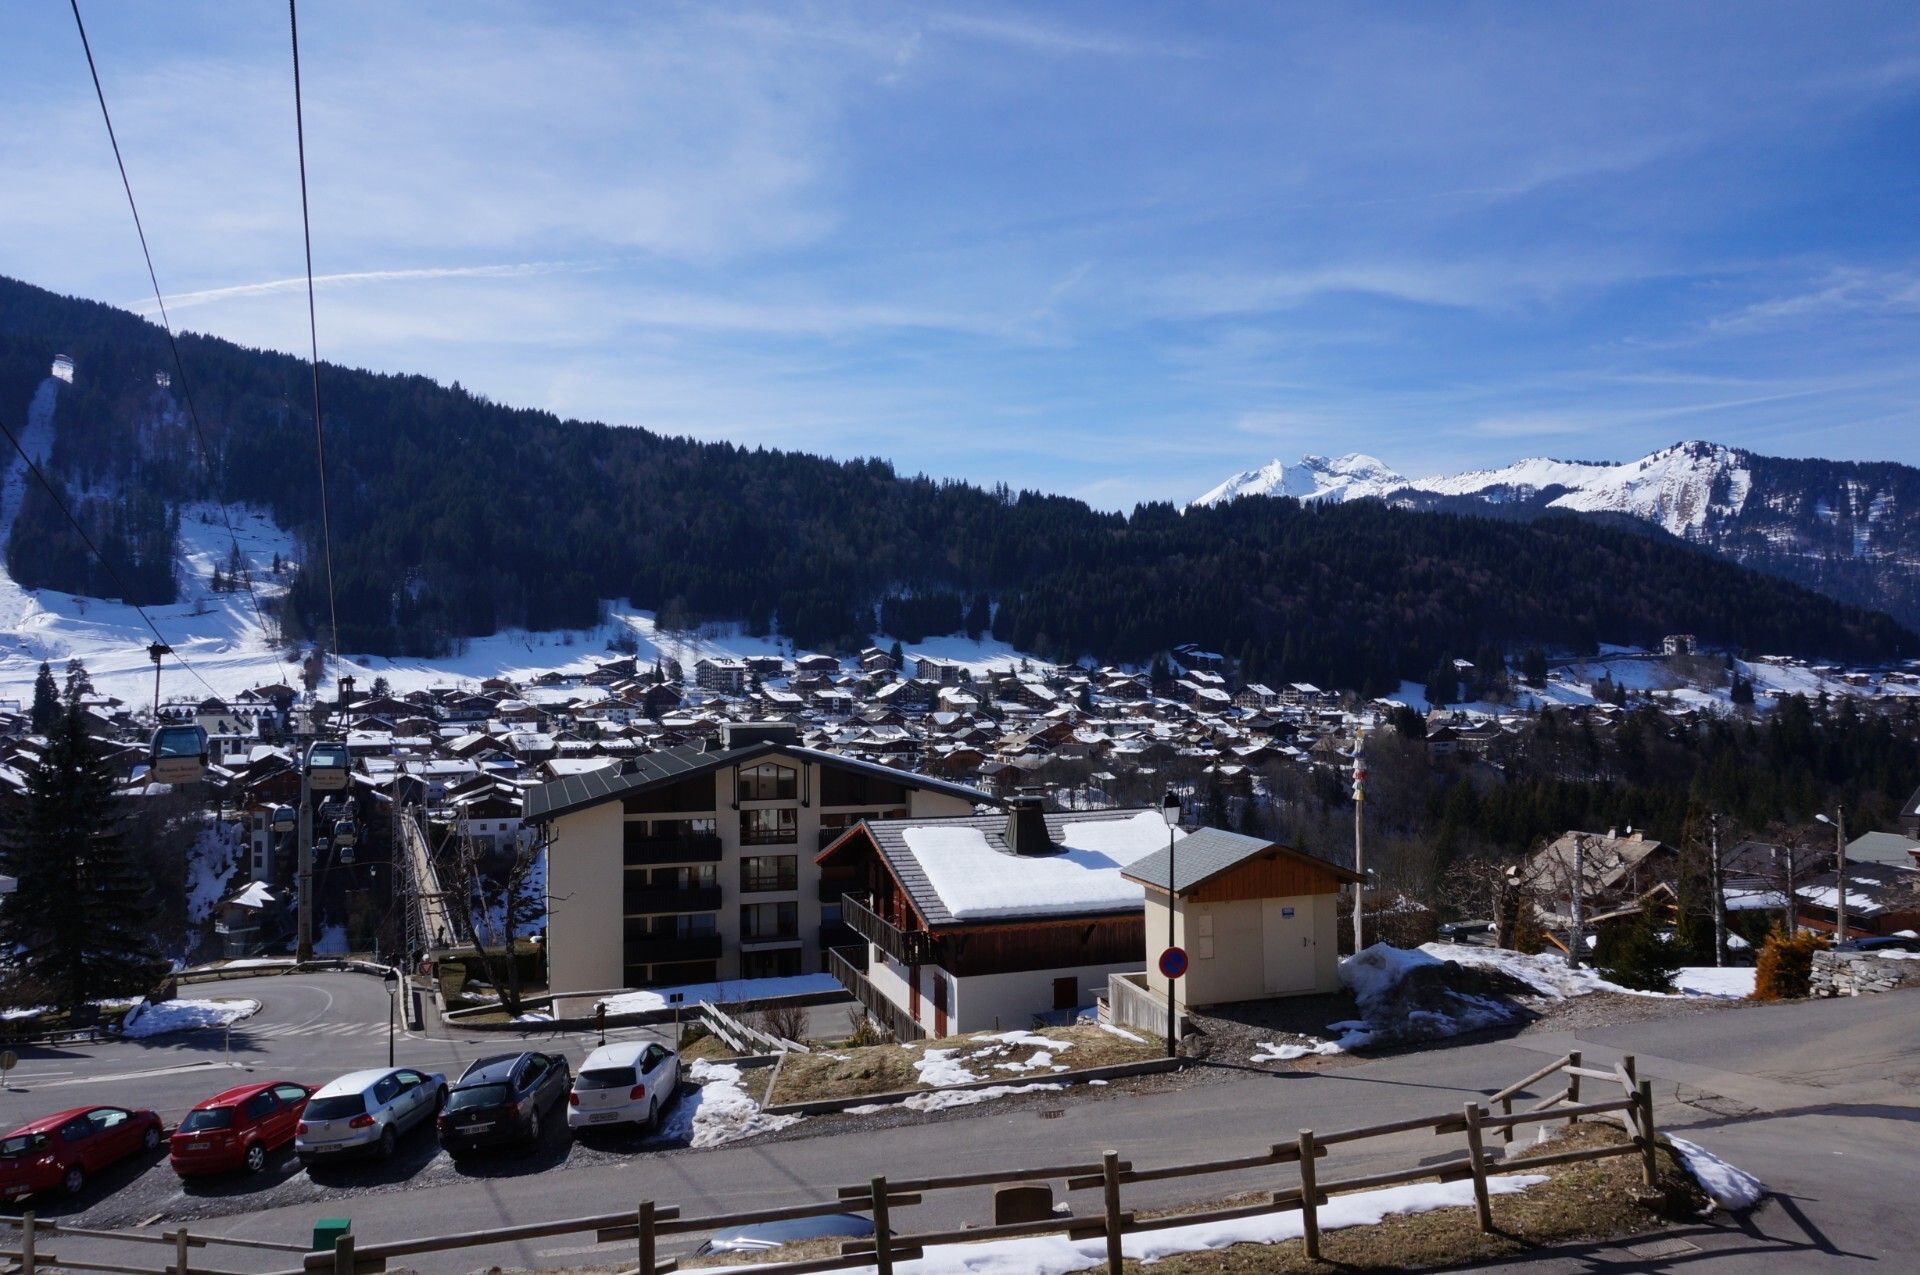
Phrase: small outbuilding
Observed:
(1256, 918)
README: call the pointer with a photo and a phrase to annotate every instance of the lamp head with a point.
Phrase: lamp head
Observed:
(1823, 819)
(1170, 808)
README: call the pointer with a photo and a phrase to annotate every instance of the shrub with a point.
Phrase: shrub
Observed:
(1785, 968)
(1639, 955)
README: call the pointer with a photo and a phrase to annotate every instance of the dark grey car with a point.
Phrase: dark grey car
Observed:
(503, 1099)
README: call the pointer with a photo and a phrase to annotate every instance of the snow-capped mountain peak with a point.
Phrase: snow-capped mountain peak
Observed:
(1314, 478)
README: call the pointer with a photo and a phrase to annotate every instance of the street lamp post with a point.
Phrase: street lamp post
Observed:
(1170, 808)
(393, 986)
(1359, 841)
(1839, 822)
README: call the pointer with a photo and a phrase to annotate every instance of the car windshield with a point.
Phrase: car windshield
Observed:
(606, 1078)
(337, 1108)
(22, 1144)
(478, 1096)
(207, 1118)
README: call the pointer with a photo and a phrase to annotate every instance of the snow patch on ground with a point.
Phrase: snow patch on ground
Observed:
(1547, 973)
(943, 1099)
(216, 852)
(332, 941)
(1733, 982)
(1122, 1033)
(731, 992)
(1730, 1188)
(1057, 1255)
(938, 1067)
(720, 1111)
(145, 1020)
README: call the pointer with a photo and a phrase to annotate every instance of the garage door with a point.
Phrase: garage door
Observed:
(1286, 931)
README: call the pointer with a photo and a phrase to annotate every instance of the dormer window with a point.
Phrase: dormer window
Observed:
(769, 782)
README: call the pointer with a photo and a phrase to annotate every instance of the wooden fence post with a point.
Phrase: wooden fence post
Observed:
(1477, 1161)
(1573, 1085)
(180, 1251)
(882, 1237)
(343, 1254)
(26, 1243)
(1309, 1196)
(1649, 1152)
(643, 1217)
(1110, 1175)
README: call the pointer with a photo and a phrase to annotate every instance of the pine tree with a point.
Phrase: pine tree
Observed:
(46, 701)
(1641, 957)
(78, 683)
(80, 920)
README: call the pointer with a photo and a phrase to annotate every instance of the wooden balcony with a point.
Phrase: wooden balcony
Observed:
(888, 1014)
(910, 947)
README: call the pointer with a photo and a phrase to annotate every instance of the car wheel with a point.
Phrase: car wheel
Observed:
(387, 1142)
(75, 1180)
(256, 1156)
(151, 1138)
(653, 1115)
(533, 1128)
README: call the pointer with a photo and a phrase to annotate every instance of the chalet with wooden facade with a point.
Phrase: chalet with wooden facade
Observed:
(981, 922)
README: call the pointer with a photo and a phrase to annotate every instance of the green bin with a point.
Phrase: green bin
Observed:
(327, 1231)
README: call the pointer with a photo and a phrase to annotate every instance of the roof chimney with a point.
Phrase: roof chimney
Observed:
(1026, 832)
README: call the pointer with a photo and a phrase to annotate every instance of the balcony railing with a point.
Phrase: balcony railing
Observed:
(838, 934)
(698, 847)
(672, 947)
(771, 934)
(651, 899)
(769, 836)
(890, 1015)
(910, 947)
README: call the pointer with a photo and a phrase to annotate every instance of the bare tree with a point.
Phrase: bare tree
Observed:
(1564, 882)
(492, 907)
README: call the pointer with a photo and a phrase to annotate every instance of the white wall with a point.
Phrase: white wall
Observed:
(988, 1002)
(585, 946)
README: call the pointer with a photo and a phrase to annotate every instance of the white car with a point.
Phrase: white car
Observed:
(366, 1111)
(628, 1083)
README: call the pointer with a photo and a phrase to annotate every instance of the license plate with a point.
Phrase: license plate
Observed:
(198, 1146)
(474, 1128)
(604, 1115)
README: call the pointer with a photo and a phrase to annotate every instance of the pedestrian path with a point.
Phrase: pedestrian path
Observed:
(311, 1029)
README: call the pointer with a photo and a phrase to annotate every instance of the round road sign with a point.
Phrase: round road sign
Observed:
(1173, 962)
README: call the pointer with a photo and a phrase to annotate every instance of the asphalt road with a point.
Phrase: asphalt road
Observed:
(1818, 1098)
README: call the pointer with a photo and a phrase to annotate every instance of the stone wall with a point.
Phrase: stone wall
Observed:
(1851, 973)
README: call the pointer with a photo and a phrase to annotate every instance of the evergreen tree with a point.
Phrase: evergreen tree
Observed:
(1443, 685)
(78, 683)
(80, 919)
(1533, 667)
(46, 701)
(1638, 955)
(898, 656)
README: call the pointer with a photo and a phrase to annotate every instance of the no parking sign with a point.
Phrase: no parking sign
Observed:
(1173, 962)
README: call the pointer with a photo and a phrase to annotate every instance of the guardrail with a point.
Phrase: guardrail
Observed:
(651, 1221)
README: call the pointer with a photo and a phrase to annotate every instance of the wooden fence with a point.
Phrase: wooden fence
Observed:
(741, 1036)
(646, 1225)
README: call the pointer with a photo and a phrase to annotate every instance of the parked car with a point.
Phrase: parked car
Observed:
(503, 1099)
(762, 1236)
(628, 1083)
(1879, 943)
(63, 1150)
(238, 1129)
(366, 1112)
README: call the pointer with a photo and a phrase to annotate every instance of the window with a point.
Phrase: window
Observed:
(762, 873)
(260, 1105)
(843, 787)
(768, 782)
(691, 877)
(290, 1093)
(104, 1118)
(776, 827)
(780, 962)
(769, 922)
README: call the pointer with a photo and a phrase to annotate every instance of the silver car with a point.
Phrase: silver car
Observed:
(366, 1112)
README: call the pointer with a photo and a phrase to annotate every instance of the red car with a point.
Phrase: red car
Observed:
(60, 1151)
(238, 1129)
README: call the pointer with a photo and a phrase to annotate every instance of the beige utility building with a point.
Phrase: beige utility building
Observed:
(696, 864)
(1256, 918)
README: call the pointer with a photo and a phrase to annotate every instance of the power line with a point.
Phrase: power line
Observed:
(86, 539)
(166, 322)
(313, 339)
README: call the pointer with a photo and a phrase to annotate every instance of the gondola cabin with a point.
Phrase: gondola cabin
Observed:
(327, 765)
(179, 755)
(285, 819)
(344, 833)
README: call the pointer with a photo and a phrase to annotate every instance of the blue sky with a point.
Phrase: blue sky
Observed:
(1117, 251)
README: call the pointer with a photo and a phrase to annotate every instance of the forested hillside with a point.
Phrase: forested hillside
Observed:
(453, 516)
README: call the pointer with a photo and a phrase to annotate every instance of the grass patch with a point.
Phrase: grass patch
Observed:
(1595, 1200)
(709, 1047)
(858, 1072)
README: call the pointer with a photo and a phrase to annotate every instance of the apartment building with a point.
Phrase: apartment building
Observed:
(696, 863)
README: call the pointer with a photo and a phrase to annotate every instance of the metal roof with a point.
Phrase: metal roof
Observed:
(1205, 853)
(578, 792)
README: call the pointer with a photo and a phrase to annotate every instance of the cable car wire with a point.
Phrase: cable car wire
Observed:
(125, 592)
(313, 338)
(166, 325)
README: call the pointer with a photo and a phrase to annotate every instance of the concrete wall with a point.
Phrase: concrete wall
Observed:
(584, 925)
(990, 1002)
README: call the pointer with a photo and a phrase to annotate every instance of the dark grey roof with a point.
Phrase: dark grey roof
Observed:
(1888, 848)
(888, 836)
(667, 765)
(1205, 853)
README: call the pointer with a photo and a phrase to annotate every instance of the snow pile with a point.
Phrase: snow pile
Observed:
(719, 1111)
(1732, 982)
(1271, 1052)
(978, 882)
(1122, 1033)
(938, 1067)
(1546, 973)
(731, 992)
(145, 1020)
(1410, 995)
(943, 1099)
(1057, 1255)
(1728, 1187)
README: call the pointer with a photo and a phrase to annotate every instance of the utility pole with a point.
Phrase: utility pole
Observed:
(1359, 838)
(303, 949)
(1577, 938)
(1719, 890)
(154, 652)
